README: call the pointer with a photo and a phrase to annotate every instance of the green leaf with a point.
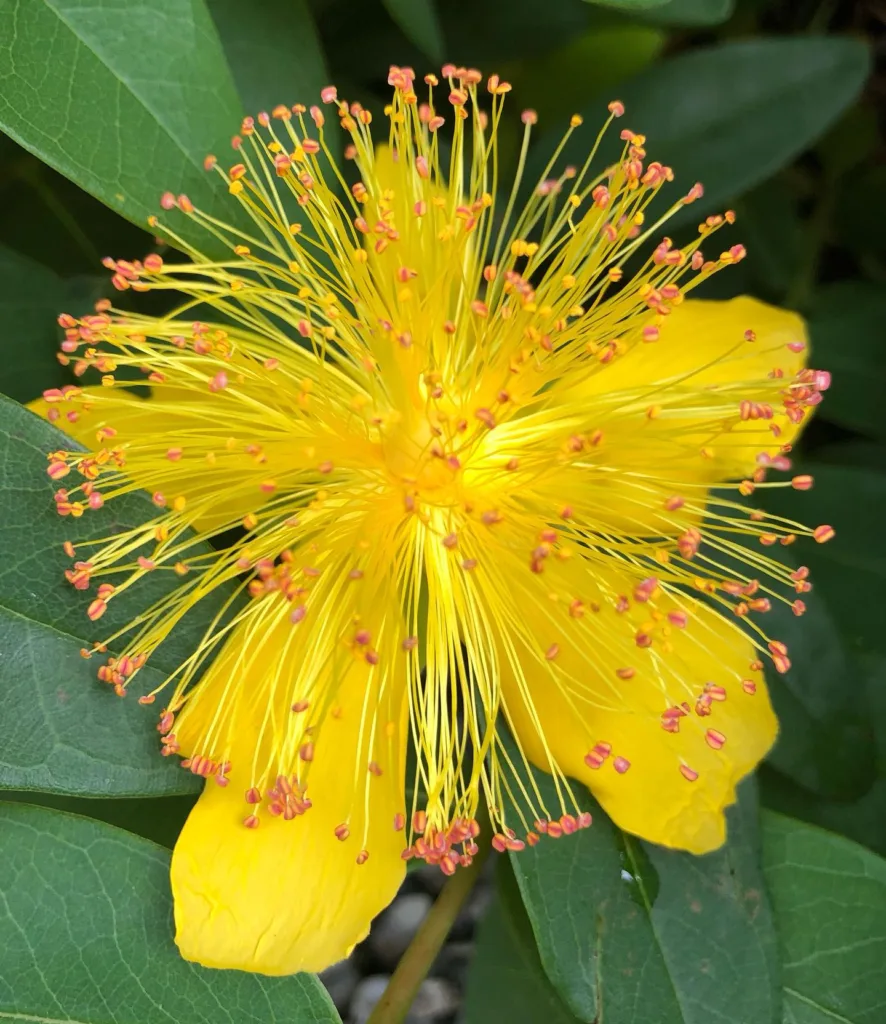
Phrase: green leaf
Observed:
(506, 980)
(770, 227)
(499, 30)
(274, 53)
(825, 742)
(731, 115)
(54, 222)
(636, 932)
(63, 730)
(860, 220)
(31, 297)
(125, 100)
(850, 570)
(419, 23)
(852, 140)
(552, 85)
(847, 324)
(159, 819)
(829, 897)
(87, 933)
(629, 5)
(691, 12)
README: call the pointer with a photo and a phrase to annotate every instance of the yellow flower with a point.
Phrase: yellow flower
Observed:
(478, 470)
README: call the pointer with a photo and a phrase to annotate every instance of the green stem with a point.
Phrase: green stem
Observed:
(418, 958)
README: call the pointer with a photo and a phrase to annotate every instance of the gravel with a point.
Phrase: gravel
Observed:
(436, 1001)
(366, 995)
(340, 980)
(356, 984)
(396, 927)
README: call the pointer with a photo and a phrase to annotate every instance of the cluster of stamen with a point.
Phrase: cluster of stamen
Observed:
(398, 387)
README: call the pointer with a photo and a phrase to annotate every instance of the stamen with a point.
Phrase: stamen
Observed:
(400, 403)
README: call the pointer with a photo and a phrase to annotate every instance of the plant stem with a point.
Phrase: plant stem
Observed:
(418, 958)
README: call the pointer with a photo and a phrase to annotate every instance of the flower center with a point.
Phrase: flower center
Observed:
(424, 453)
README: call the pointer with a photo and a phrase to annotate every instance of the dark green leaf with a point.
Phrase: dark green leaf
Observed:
(506, 980)
(275, 54)
(860, 221)
(691, 12)
(829, 897)
(847, 324)
(851, 141)
(644, 934)
(862, 820)
(732, 115)
(589, 65)
(825, 742)
(48, 218)
(31, 297)
(63, 730)
(849, 571)
(629, 5)
(770, 228)
(126, 100)
(419, 23)
(87, 932)
(159, 819)
(499, 30)
(854, 452)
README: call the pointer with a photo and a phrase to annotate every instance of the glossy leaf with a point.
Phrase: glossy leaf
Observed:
(848, 330)
(829, 897)
(275, 54)
(419, 23)
(63, 730)
(87, 932)
(731, 115)
(651, 935)
(506, 980)
(125, 100)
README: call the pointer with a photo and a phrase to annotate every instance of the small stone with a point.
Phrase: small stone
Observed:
(366, 995)
(452, 963)
(396, 927)
(472, 912)
(436, 1000)
(430, 878)
(340, 980)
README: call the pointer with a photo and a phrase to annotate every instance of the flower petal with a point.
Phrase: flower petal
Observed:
(661, 721)
(290, 896)
(703, 348)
